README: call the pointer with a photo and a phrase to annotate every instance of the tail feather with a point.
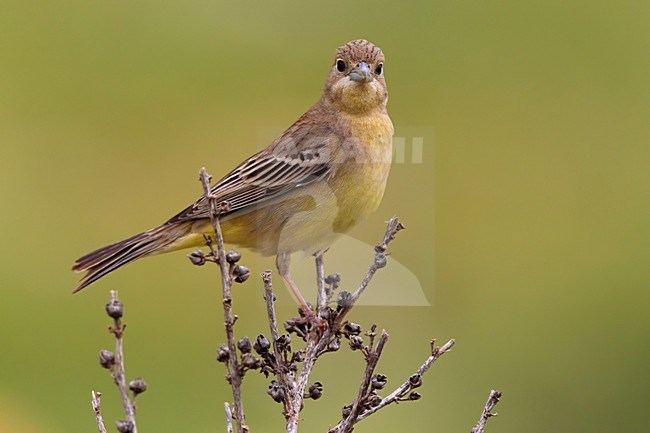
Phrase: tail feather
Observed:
(107, 259)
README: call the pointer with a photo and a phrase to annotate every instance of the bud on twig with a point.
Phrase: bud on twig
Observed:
(124, 426)
(414, 396)
(374, 400)
(284, 342)
(334, 345)
(233, 257)
(333, 279)
(138, 386)
(114, 309)
(275, 391)
(379, 381)
(415, 381)
(261, 345)
(298, 356)
(315, 391)
(327, 313)
(344, 299)
(223, 353)
(106, 358)
(197, 258)
(296, 326)
(244, 345)
(251, 362)
(241, 273)
(356, 342)
(351, 329)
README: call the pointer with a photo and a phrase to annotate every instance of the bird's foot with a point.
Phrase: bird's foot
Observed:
(308, 316)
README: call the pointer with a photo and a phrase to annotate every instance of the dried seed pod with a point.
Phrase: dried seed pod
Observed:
(241, 273)
(197, 258)
(414, 396)
(275, 391)
(223, 353)
(115, 309)
(334, 345)
(344, 299)
(315, 391)
(261, 345)
(251, 362)
(374, 400)
(333, 279)
(415, 381)
(351, 329)
(296, 327)
(244, 345)
(138, 386)
(379, 381)
(298, 356)
(233, 257)
(125, 426)
(106, 359)
(356, 342)
(327, 313)
(284, 342)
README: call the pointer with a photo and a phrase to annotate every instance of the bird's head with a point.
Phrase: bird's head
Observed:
(356, 81)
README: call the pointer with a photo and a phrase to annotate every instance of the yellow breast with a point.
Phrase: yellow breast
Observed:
(363, 169)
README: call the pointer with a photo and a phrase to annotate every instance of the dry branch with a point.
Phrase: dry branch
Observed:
(292, 369)
(119, 374)
(96, 404)
(226, 408)
(114, 362)
(487, 413)
(233, 368)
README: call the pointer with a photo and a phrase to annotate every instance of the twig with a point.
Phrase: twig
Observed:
(118, 369)
(234, 376)
(96, 404)
(400, 394)
(269, 297)
(226, 407)
(392, 227)
(297, 391)
(281, 371)
(348, 423)
(321, 301)
(413, 381)
(319, 338)
(492, 401)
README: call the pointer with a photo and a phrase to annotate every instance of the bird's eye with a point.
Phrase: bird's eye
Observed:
(340, 65)
(379, 68)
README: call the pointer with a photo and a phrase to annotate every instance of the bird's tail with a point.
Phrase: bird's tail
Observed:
(105, 260)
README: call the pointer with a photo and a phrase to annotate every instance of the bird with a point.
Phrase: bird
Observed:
(324, 174)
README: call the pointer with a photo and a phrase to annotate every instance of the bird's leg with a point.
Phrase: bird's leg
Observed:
(282, 262)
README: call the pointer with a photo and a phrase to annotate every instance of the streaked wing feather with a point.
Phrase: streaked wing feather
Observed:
(263, 177)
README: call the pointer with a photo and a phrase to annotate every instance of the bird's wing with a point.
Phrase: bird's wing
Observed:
(299, 157)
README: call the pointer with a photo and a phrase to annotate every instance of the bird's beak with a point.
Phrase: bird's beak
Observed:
(362, 73)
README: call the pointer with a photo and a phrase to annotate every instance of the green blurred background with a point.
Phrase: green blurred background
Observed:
(528, 218)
